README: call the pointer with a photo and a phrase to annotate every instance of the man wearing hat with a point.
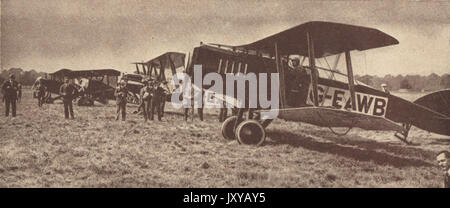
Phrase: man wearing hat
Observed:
(10, 95)
(121, 99)
(157, 98)
(297, 83)
(384, 87)
(146, 97)
(166, 91)
(68, 93)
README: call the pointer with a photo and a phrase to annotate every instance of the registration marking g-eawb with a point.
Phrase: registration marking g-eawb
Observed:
(340, 98)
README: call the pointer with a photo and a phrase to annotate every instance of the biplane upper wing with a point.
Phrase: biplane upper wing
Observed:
(176, 57)
(329, 39)
(86, 73)
(329, 117)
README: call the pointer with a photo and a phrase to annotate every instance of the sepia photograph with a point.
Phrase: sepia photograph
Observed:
(224, 94)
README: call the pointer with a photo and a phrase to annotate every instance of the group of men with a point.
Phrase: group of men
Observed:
(153, 98)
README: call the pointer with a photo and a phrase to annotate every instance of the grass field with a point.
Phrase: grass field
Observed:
(39, 148)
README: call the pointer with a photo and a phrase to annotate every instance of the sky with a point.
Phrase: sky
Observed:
(47, 35)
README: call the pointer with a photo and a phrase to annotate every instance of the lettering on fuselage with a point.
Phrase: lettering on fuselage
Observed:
(340, 98)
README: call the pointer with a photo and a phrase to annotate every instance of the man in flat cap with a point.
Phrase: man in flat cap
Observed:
(166, 91)
(10, 95)
(68, 93)
(157, 98)
(146, 97)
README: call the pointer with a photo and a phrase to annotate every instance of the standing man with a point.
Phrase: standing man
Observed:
(442, 160)
(158, 93)
(10, 94)
(121, 99)
(68, 92)
(146, 98)
(166, 91)
(40, 90)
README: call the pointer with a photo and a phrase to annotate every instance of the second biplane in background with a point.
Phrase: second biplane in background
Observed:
(155, 70)
(92, 85)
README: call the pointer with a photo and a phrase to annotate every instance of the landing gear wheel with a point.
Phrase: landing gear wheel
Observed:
(228, 128)
(250, 132)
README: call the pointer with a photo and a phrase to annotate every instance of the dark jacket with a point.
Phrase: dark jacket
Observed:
(68, 91)
(158, 94)
(10, 89)
(144, 90)
(121, 95)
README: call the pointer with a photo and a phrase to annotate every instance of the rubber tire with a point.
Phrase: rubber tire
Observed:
(228, 128)
(248, 130)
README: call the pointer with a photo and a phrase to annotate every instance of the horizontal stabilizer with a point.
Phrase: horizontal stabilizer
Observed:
(438, 101)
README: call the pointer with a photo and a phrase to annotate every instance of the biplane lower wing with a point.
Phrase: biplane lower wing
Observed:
(328, 117)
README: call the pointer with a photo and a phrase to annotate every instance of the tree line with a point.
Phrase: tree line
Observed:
(410, 82)
(26, 78)
(431, 82)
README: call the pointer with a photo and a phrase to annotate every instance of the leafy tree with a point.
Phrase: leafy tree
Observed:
(445, 81)
(366, 79)
(404, 84)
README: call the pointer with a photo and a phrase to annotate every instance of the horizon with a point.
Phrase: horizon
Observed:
(50, 35)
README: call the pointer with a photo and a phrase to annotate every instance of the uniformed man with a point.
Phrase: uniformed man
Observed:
(146, 97)
(121, 99)
(10, 90)
(157, 98)
(166, 91)
(68, 93)
(442, 160)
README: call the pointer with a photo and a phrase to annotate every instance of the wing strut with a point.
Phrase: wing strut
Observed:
(312, 66)
(351, 84)
(281, 76)
(137, 68)
(172, 66)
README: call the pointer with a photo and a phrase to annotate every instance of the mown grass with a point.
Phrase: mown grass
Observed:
(39, 148)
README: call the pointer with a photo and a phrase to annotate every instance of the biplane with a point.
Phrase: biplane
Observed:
(155, 69)
(92, 85)
(324, 96)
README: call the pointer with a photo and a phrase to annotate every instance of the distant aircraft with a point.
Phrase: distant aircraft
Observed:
(154, 69)
(92, 85)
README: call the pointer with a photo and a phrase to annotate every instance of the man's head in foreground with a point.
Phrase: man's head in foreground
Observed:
(442, 160)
